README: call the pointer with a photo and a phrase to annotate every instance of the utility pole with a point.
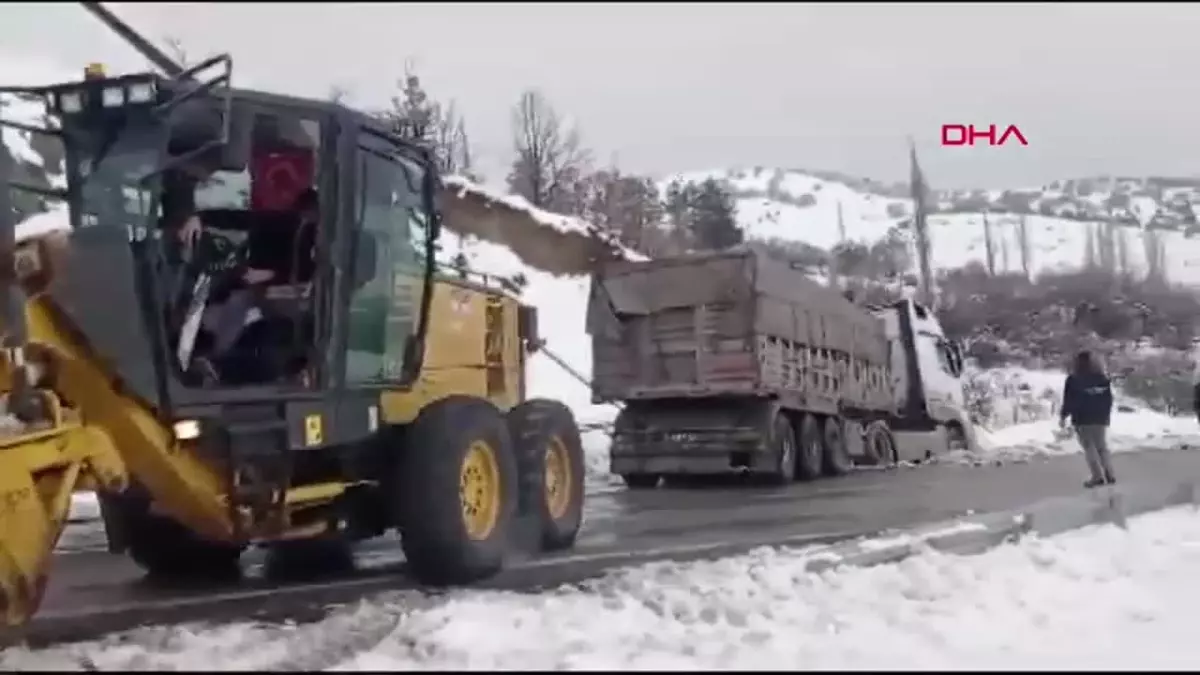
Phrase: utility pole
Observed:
(920, 227)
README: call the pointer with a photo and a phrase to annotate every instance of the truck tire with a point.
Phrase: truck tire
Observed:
(168, 551)
(810, 457)
(550, 465)
(879, 447)
(836, 454)
(455, 491)
(640, 481)
(782, 442)
(956, 437)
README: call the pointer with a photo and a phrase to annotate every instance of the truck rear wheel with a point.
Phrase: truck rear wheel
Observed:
(783, 445)
(812, 449)
(640, 481)
(550, 464)
(456, 491)
(836, 455)
(956, 438)
(168, 551)
(879, 447)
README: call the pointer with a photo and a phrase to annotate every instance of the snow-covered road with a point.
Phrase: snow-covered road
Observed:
(1098, 598)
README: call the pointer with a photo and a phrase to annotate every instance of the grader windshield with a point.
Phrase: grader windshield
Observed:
(346, 302)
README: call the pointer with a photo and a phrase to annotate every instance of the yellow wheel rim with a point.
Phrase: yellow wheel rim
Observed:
(558, 478)
(479, 490)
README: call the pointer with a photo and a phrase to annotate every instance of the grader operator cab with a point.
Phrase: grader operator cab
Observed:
(345, 404)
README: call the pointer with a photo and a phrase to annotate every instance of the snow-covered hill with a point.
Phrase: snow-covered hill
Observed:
(1146, 217)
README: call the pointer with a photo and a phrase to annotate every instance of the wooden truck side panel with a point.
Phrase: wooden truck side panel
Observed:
(733, 323)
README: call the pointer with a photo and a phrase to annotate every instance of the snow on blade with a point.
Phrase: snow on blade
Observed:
(1097, 598)
(562, 223)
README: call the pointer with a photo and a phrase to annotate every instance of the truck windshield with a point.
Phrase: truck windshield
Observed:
(107, 168)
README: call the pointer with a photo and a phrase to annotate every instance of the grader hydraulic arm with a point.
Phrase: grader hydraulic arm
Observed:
(45, 450)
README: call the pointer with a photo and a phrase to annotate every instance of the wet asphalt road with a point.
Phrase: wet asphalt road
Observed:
(92, 592)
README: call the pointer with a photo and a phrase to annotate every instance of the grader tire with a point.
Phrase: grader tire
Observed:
(550, 464)
(168, 551)
(455, 496)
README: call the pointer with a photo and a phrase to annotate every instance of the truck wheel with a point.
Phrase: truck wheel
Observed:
(455, 491)
(640, 481)
(550, 465)
(811, 455)
(956, 437)
(836, 454)
(168, 551)
(782, 443)
(878, 445)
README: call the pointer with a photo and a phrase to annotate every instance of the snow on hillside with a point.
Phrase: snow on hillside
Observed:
(31, 164)
(1098, 598)
(795, 205)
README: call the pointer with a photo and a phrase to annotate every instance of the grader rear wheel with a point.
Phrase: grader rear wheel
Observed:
(551, 463)
(456, 492)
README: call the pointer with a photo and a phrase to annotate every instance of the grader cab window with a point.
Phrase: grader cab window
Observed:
(393, 226)
(107, 168)
(260, 210)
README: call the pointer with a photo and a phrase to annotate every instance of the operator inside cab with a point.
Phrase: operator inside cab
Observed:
(267, 309)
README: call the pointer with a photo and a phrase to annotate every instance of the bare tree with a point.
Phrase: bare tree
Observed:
(176, 50)
(337, 93)
(416, 115)
(1089, 247)
(989, 245)
(550, 159)
(1122, 251)
(1023, 244)
(1155, 256)
(626, 205)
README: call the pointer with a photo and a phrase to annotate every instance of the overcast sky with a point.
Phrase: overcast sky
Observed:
(1104, 88)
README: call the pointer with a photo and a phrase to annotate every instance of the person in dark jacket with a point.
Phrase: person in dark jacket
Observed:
(1087, 402)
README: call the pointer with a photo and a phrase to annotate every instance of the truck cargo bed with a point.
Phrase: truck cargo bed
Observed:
(733, 323)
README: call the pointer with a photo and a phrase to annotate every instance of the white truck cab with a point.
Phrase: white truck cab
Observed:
(927, 381)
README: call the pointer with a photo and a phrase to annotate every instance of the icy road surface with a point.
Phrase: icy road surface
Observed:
(1098, 598)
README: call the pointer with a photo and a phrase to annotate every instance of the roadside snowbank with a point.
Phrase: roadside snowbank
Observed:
(1024, 414)
(1098, 598)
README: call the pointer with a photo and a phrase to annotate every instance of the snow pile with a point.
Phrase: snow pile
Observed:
(1132, 430)
(1022, 420)
(1000, 397)
(800, 206)
(1057, 603)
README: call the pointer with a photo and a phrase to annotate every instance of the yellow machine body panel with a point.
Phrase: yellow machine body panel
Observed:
(473, 347)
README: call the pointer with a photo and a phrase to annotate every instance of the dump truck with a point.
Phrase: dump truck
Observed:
(374, 397)
(736, 361)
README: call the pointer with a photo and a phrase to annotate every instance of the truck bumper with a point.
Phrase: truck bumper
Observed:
(689, 451)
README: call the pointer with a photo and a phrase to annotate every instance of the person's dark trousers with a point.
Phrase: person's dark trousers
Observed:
(1094, 439)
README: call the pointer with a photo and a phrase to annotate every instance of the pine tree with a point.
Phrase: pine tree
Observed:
(714, 217)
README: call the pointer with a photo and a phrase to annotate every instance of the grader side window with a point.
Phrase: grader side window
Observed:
(385, 305)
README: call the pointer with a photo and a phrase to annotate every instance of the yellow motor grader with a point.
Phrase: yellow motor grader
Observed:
(377, 396)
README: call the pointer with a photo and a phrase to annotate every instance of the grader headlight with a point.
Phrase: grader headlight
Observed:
(113, 94)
